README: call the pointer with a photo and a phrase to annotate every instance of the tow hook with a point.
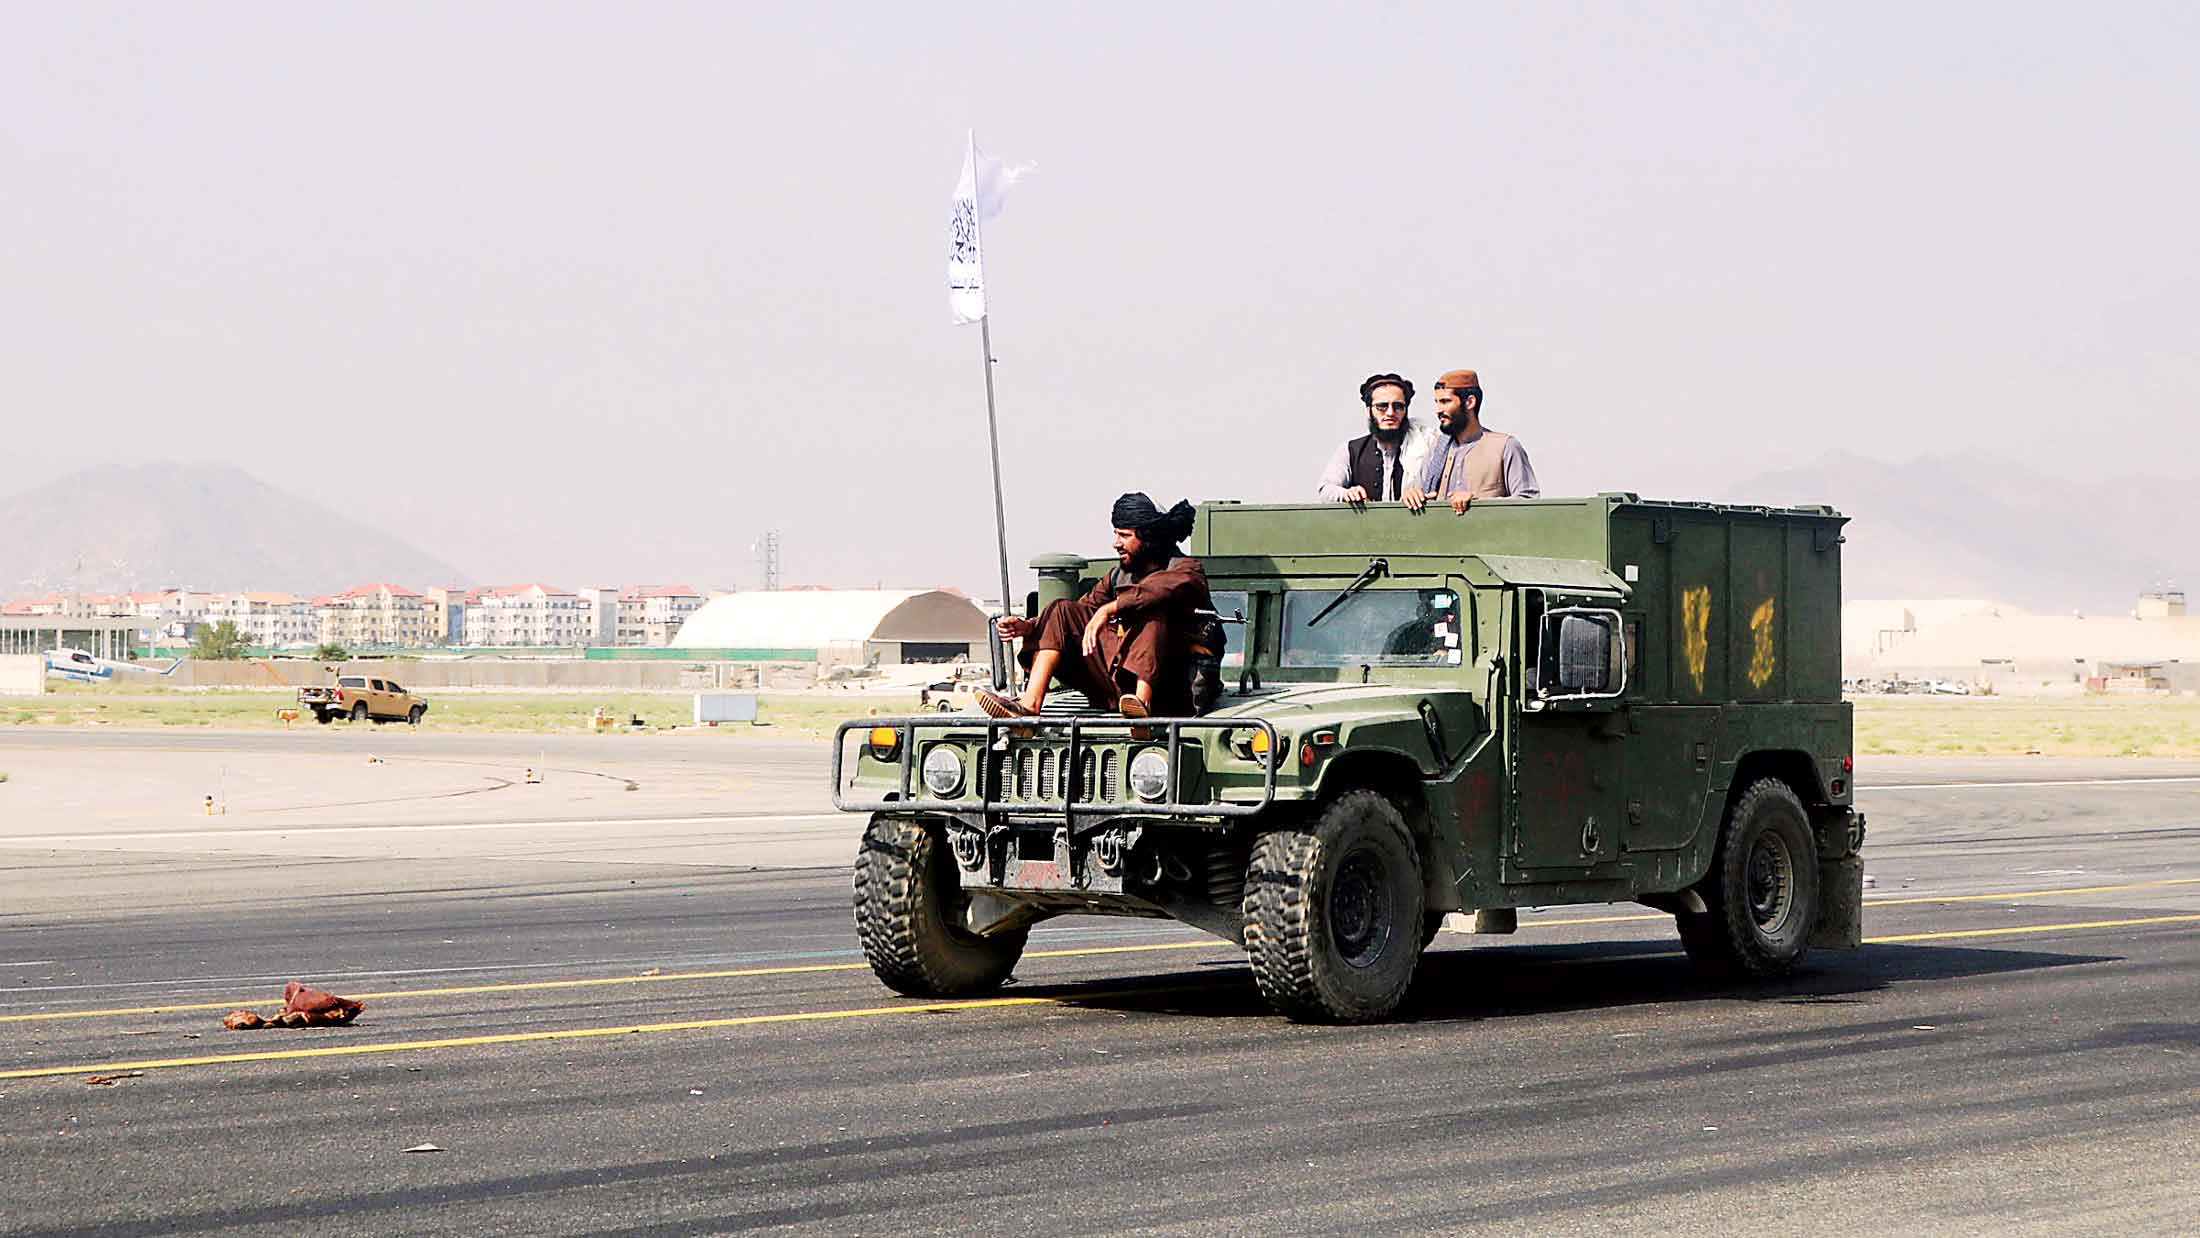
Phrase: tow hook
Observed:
(969, 847)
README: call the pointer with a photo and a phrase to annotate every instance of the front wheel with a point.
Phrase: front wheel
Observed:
(413, 715)
(1334, 914)
(909, 908)
(1761, 896)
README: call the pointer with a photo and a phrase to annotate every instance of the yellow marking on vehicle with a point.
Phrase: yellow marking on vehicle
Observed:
(1696, 632)
(860, 1012)
(1761, 657)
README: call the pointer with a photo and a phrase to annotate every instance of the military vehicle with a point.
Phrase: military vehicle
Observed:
(1539, 702)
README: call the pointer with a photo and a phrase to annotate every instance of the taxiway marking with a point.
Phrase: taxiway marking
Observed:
(2058, 782)
(527, 986)
(455, 826)
(859, 1012)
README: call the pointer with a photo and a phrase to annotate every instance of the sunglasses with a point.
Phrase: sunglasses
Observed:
(1397, 406)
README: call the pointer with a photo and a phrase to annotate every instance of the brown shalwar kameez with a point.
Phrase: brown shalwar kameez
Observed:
(1148, 639)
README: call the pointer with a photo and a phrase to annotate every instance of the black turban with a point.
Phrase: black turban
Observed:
(1136, 511)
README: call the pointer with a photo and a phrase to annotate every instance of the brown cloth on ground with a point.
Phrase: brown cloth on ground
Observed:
(303, 1006)
(1149, 639)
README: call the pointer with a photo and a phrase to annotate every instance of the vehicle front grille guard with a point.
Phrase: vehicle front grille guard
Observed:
(1078, 797)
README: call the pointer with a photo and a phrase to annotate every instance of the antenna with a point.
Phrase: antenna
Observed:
(767, 557)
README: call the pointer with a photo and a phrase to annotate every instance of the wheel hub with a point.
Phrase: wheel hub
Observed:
(1360, 913)
(1771, 883)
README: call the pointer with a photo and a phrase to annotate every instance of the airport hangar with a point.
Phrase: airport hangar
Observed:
(109, 638)
(878, 627)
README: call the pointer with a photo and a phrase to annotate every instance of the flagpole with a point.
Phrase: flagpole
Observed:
(993, 432)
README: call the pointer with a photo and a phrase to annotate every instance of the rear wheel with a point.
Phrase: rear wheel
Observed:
(1334, 914)
(1761, 896)
(324, 717)
(359, 712)
(910, 910)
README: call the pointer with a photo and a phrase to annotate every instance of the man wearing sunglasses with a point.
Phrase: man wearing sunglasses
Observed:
(1378, 466)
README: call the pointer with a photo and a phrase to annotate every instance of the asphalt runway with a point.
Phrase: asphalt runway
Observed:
(643, 1010)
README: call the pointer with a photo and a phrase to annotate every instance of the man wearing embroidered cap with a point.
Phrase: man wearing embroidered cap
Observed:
(1125, 642)
(1469, 461)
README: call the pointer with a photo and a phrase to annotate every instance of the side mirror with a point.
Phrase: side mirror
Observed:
(1584, 655)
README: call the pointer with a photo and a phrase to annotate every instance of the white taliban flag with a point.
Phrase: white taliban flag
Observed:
(984, 183)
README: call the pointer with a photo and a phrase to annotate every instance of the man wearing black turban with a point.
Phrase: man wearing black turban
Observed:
(1124, 644)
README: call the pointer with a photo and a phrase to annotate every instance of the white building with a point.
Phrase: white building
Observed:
(384, 615)
(652, 614)
(271, 620)
(527, 615)
(874, 626)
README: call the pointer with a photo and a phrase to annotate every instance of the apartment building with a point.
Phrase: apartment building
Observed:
(375, 615)
(447, 614)
(652, 614)
(527, 615)
(270, 620)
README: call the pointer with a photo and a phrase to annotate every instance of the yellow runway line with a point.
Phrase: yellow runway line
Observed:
(514, 1038)
(531, 986)
(754, 1020)
(2029, 928)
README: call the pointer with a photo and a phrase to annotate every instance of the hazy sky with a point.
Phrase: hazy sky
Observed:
(606, 290)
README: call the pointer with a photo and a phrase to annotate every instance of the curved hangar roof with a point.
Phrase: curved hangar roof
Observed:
(814, 618)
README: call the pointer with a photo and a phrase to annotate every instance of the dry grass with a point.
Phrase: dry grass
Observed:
(2014, 726)
(1946, 726)
(99, 705)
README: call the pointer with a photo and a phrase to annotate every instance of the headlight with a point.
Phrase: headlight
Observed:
(943, 770)
(1150, 774)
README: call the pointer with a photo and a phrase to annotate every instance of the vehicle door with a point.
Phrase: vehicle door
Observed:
(1570, 790)
(378, 698)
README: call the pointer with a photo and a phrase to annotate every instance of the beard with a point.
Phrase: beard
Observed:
(1453, 423)
(1389, 437)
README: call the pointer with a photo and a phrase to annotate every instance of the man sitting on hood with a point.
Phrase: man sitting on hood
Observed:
(1125, 642)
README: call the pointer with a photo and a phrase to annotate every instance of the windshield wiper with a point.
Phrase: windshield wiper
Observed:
(1378, 567)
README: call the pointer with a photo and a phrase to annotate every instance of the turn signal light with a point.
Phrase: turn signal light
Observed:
(885, 742)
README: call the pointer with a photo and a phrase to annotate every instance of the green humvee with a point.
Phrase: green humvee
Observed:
(1544, 701)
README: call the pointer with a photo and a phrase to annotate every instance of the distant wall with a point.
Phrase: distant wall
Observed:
(22, 674)
(535, 675)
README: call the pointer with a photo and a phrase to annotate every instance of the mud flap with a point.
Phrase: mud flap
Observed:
(1840, 904)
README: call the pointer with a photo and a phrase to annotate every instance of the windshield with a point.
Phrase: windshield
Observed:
(1231, 604)
(1377, 627)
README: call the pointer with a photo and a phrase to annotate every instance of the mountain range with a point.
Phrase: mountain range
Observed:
(1934, 527)
(210, 527)
(1983, 527)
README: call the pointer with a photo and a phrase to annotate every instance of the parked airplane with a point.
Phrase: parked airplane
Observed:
(77, 665)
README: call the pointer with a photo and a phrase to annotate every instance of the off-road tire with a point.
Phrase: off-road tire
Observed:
(359, 712)
(1333, 914)
(909, 908)
(323, 716)
(1761, 895)
(414, 714)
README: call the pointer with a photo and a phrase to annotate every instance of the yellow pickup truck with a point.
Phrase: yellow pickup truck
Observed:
(363, 698)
